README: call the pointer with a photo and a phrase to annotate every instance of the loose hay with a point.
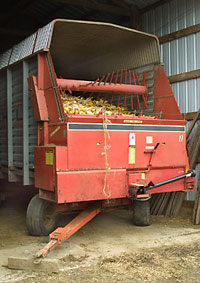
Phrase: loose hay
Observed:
(153, 264)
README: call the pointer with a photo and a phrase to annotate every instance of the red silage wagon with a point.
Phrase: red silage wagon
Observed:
(91, 163)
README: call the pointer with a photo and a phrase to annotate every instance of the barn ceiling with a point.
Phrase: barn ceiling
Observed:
(18, 19)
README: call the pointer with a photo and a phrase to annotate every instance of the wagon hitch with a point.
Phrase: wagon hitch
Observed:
(61, 234)
(140, 191)
(151, 185)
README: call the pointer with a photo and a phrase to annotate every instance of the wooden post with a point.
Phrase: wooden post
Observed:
(196, 211)
(134, 17)
(193, 123)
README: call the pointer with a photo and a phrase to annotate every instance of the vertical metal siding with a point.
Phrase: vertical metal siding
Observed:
(12, 127)
(181, 55)
(32, 68)
(17, 115)
(3, 121)
(26, 179)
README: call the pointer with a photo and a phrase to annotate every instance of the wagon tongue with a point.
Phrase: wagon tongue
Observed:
(61, 234)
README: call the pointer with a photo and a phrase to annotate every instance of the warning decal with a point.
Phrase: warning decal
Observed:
(49, 157)
(131, 157)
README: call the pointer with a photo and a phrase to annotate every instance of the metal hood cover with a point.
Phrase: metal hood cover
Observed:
(87, 49)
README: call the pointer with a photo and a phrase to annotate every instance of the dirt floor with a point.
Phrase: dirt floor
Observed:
(108, 249)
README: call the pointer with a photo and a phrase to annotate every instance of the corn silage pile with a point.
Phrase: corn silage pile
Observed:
(90, 106)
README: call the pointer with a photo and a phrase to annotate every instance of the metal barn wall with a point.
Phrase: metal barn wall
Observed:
(3, 122)
(17, 115)
(18, 128)
(180, 55)
(32, 124)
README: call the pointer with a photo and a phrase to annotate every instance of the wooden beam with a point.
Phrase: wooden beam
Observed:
(180, 33)
(192, 124)
(153, 6)
(121, 3)
(15, 7)
(195, 152)
(123, 21)
(53, 14)
(196, 211)
(134, 17)
(193, 147)
(190, 116)
(184, 76)
(97, 6)
(13, 31)
(18, 9)
(88, 16)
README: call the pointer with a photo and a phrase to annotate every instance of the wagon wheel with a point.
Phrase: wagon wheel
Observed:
(141, 212)
(41, 218)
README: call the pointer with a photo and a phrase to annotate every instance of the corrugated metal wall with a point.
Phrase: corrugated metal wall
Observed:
(3, 121)
(17, 115)
(17, 138)
(32, 71)
(181, 55)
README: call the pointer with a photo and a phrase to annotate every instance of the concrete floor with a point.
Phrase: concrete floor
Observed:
(109, 234)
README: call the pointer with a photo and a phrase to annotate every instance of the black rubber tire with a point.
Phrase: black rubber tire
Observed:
(141, 212)
(40, 217)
